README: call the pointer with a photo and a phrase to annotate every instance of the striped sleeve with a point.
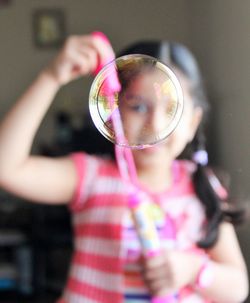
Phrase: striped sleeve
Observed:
(86, 169)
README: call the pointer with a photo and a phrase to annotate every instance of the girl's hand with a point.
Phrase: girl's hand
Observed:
(79, 57)
(171, 270)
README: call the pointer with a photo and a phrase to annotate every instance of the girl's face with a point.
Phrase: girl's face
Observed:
(146, 112)
(147, 106)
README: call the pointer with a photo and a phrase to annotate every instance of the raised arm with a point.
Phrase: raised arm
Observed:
(33, 177)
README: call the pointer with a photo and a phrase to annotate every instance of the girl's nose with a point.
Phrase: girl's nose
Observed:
(157, 121)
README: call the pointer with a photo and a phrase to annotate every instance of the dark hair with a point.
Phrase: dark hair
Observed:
(176, 55)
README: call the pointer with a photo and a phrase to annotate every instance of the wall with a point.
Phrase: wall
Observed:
(219, 33)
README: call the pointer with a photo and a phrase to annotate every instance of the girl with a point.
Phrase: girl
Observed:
(205, 264)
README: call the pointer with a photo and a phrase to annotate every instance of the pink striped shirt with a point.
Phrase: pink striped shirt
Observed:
(99, 208)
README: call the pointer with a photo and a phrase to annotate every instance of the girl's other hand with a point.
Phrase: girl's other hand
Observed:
(79, 56)
(170, 271)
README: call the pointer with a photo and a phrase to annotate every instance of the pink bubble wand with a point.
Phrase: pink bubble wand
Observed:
(146, 228)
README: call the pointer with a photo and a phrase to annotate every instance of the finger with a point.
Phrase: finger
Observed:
(91, 57)
(100, 50)
(158, 287)
(82, 46)
(153, 262)
(83, 59)
(85, 46)
(101, 46)
(160, 272)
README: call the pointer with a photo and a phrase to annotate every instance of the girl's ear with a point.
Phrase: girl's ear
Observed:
(197, 117)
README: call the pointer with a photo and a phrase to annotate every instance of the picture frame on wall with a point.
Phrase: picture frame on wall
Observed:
(49, 29)
(4, 3)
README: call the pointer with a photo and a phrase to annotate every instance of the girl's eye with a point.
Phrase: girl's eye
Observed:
(139, 108)
(136, 104)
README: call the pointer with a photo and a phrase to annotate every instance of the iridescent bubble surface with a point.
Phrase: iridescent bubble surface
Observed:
(136, 101)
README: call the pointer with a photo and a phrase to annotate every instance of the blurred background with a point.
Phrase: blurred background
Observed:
(35, 240)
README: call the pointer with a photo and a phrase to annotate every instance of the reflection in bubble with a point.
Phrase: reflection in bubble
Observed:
(143, 94)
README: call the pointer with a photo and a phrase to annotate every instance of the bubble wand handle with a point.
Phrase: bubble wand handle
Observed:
(145, 226)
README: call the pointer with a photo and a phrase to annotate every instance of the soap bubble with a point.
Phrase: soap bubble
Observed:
(136, 101)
